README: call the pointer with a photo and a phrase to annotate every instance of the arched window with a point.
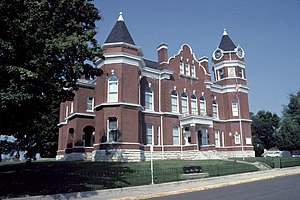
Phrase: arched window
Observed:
(194, 105)
(175, 134)
(149, 99)
(174, 101)
(184, 103)
(112, 88)
(202, 106)
(215, 109)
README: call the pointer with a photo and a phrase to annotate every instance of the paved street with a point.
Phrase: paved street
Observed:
(286, 187)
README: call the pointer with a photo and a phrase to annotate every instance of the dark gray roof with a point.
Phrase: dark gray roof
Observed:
(119, 33)
(226, 44)
(151, 64)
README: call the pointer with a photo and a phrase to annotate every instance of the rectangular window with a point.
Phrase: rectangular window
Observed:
(187, 69)
(237, 138)
(174, 103)
(184, 105)
(148, 101)
(149, 133)
(231, 72)
(194, 106)
(193, 71)
(202, 108)
(215, 111)
(90, 104)
(220, 74)
(181, 67)
(217, 138)
(235, 110)
(113, 129)
(175, 133)
(205, 139)
(113, 91)
(240, 73)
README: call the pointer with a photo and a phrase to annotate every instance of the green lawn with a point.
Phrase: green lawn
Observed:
(61, 177)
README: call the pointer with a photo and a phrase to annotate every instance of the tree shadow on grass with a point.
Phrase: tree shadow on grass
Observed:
(45, 178)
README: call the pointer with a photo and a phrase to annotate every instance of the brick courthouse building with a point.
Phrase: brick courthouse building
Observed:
(172, 104)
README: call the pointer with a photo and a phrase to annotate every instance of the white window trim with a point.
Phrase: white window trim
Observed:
(215, 105)
(173, 97)
(108, 130)
(152, 138)
(181, 67)
(194, 111)
(178, 138)
(237, 138)
(152, 102)
(217, 138)
(204, 106)
(235, 109)
(92, 102)
(187, 69)
(193, 70)
(187, 105)
(110, 93)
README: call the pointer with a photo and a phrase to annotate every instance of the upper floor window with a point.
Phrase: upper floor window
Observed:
(202, 106)
(215, 109)
(149, 99)
(174, 101)
(184, 103)
(112, 88)
(175, 134)
(220, 74)
(240, 72)
(181, 67)
(193, 70)
(90, 104)
(194, 104)
(235, 109)
(187, 69)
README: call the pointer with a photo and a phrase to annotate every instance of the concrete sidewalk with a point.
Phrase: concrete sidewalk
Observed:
(157, 190)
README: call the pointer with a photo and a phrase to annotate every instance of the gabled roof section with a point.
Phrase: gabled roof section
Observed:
(120, 33)
(226, 43)
(150, 63)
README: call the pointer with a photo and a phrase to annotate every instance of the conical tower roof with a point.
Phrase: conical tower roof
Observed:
(226, 43)
(120, 33)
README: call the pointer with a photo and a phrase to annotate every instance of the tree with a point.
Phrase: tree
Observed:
(44, 46)
(288, 136)
(263, 127)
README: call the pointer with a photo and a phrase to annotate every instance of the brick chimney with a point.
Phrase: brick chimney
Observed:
(162, 51)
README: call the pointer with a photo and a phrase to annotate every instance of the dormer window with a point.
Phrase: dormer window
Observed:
(181, 67)
(187, 69)
(193, 70)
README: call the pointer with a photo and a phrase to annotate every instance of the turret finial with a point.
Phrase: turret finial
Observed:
(225, 32)
(120, 17)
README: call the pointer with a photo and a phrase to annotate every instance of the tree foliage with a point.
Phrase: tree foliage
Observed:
(43, 48)
(263, 127)
(288, 136)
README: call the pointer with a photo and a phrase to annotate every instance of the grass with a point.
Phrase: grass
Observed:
(280, 162)
(42, 178)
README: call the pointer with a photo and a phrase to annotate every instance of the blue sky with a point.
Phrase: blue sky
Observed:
(268, 31)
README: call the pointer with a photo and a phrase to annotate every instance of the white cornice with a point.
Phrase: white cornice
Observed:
(156, 73)
(80, 114)
(118, 104)
(229, 63)
(124, 44)
(196, 119)
(121, 58)
(221, 89)
(232, 120)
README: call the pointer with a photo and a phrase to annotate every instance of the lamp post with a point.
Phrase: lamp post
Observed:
(151, 163)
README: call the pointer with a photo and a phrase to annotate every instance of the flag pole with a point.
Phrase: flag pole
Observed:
(240, 119)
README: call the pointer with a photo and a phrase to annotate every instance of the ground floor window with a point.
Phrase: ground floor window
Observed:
(205, 136)
(112, 129)
(175, 133)
(149, 133)
(217, 138)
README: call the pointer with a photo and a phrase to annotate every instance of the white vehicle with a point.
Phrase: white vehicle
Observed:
(277, 154)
